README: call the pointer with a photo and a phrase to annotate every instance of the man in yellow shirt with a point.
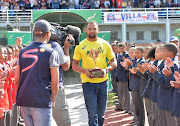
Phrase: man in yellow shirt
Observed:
(93, 52)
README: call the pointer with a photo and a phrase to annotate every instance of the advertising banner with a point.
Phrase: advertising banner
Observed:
(128, 17)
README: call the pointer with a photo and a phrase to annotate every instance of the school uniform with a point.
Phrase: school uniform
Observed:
(114, 78)
(164, 96)
(158, 120)
(175, 104)
(122, 83)
(134, 85)
(131, 103)
(146, 85)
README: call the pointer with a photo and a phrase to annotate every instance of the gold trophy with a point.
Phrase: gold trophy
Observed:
(96, 72)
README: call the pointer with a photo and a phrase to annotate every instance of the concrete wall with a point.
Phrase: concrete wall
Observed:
(147, 28)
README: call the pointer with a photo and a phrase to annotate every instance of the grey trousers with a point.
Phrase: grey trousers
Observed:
(60, 111)
(155, 106)
(171, 120)
(161, 118)
(131, 103)
(16, 113)
(139, 108)
(151, 112)
(165, 118)
(114, 83)
(178, 120)
(123, 95)
(132, 109)
(7, 119)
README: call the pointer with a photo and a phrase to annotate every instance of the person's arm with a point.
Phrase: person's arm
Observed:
(67, 45)
(76, 67)
(112, 65)
(54, 83)
(17, 77)
(54, 71)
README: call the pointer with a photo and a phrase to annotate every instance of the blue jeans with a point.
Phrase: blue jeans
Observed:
(76, 6)
(95, 95)
(37, 116)
(80, 6)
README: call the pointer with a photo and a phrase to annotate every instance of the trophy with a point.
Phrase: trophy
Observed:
(96, 72)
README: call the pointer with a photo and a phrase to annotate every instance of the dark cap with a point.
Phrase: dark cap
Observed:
(42, 27)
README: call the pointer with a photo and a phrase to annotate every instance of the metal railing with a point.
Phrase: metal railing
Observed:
(16, 17)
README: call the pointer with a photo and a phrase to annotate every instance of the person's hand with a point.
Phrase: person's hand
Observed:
(177, 76)
(67, 43)
(145, 66)
(169, 63)
(140, 68)
(175, 84)
(123, 64)
(12, 70)
(53, 104)
(88, 73)
(128, 62)
(152, 69)
(167, 71)
(133, 70)
(2, 110)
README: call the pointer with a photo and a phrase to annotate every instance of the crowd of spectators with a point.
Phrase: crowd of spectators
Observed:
(84, 4)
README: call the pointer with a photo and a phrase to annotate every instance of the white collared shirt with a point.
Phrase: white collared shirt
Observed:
(137, 60)
(159, 62)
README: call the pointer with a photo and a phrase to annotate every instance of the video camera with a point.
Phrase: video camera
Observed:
(60, 33)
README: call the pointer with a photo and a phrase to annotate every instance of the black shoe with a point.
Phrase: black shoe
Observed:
(21, 119)
(132, 122)
(20, 124)
(126, 111)
(117, 109)
(131, 113)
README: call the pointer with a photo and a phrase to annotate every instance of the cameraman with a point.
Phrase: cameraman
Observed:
(60, 111)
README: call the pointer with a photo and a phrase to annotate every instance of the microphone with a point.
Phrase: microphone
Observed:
(73, 30)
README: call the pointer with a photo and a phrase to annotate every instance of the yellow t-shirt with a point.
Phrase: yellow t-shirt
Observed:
(82, 51)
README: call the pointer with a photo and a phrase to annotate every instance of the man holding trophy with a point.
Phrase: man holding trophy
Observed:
(93, 52)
